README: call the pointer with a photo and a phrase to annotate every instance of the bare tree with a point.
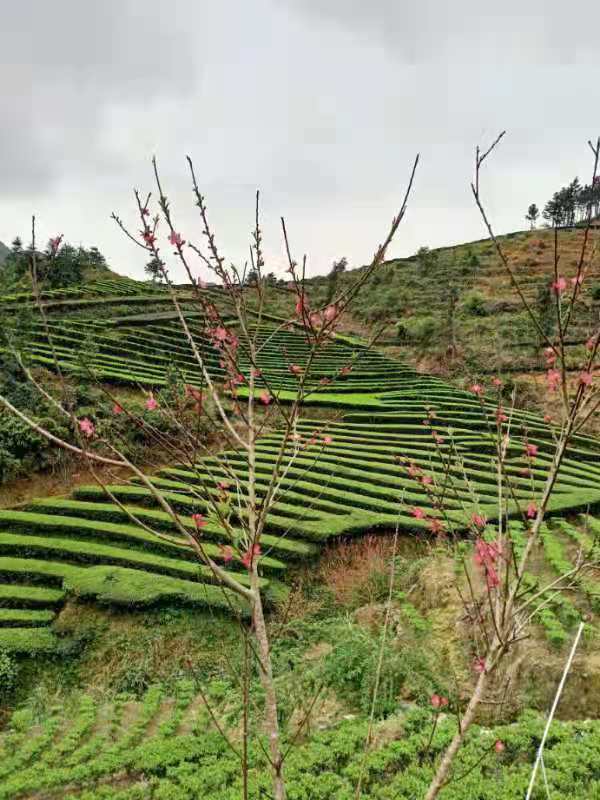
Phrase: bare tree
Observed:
(501, 616)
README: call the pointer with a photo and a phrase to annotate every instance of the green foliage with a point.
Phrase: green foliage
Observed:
(532, 215)
(426, 259)
(150, 758)
(351, 669)
(421, 330)
(23, 449)
(8, 674)
(475, 304)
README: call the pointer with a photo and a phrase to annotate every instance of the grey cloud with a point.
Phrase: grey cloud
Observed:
(320, 104)
(465, 31)
(64, 64)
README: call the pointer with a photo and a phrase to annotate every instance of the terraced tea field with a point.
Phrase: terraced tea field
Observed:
(393, 422)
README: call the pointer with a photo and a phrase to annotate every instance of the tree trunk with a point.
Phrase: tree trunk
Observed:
(266, 677)
(441, 775)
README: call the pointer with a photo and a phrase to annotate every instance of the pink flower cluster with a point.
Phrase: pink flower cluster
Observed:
(227, 343)
(317, 319)
(487, 555)
(251, 553)
(438, 701)
(54, 244)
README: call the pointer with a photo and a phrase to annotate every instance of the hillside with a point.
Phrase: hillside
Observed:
(106, 611)
(454, 309)
(4, 251)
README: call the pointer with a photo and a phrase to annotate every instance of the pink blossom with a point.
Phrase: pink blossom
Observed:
(413, 470)
(219, 334)
(436, 700)
(55, 243)
(330, 313)
(426, 480)
(223, 486)
(550, 355)
(151, 403)
(479, 521)
(325, 381)
(436, 526)
(117, 409)
(531, 450)
(148, 237)
(486, 556)
(87, 427)
(327, 439)
(250, 555)
(295, 369)
(577, 280)
(145, 212)
(418, 513)
(499, 746)
(497, 382)
(479, 664)
(559, 285)
(176, 240)
(553, 378)
(346, 370)
(199, 520)
(591, 343)
(265, 398)
(532, 510)
(501, 416)
(476, 389)
(315, 319)
(226, 552)
(586, 378)
(547, 418)
(437, 438)
(301, 306)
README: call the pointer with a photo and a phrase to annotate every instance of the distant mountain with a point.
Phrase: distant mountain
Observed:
(4, 251)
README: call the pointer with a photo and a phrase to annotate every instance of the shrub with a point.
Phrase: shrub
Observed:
(22, 449)
(475, 304)
(350, 669)
(420, 329)
(8, 674)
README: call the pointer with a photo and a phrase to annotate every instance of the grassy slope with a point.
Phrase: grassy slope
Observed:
(491, 331)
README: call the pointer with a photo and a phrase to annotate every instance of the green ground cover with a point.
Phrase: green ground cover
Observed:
(388, 419)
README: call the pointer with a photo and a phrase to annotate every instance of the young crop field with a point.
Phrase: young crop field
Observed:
(163, 748)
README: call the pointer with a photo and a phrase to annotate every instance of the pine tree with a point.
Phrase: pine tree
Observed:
(532, 215)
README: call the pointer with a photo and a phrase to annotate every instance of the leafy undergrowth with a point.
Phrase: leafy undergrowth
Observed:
(165, 749)
(123, 716)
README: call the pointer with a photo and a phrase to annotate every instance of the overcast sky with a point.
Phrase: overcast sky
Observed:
(321, 104)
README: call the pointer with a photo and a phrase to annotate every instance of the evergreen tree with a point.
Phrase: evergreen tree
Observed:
(154, 269)
(532, 215)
